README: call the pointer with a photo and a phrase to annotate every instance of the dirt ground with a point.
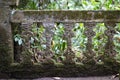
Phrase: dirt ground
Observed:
(80, 78)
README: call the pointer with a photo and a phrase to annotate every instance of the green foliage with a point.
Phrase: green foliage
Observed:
(85, 4)
(70, 4)
(18, 39)
(99, 39)
(59, 44)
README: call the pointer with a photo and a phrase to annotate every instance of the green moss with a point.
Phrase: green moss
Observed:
(71, 15)
(59, 69)
(4, 55)
(26, 58)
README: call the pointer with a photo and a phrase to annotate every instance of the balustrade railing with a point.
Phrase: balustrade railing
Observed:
(49, 20)
(63, 36)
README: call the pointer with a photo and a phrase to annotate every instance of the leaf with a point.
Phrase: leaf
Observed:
(20, 41)
(16, 39)
(32, 40)
(13, 11)
(63, 46)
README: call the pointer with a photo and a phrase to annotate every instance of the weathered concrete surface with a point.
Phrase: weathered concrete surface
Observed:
(6, 42)
(19, 71)
(66, 16)
(80, 78)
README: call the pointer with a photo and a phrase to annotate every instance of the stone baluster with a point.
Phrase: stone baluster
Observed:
(109, 48)
(26, 36)
(6, 41)
(68, 34)
(49, 32)
(89, 33)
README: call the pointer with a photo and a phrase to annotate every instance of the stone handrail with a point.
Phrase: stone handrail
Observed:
(69, 18)
(48, 18)
(65, 16)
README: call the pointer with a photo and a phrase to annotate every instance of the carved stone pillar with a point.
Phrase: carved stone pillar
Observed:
(89, 34)
(26, 36)
(49, 32)
(68, 34)
(109, 48)
(6, 41)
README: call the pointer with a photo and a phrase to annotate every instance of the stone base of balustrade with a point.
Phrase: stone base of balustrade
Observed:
(18, 71)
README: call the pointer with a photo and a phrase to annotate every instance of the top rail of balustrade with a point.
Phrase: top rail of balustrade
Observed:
(64, 16)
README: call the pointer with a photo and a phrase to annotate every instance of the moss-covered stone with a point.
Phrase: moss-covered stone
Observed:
(59, 69)
(26, 58)
(5, 56)
(67, 15)
(6, 44)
